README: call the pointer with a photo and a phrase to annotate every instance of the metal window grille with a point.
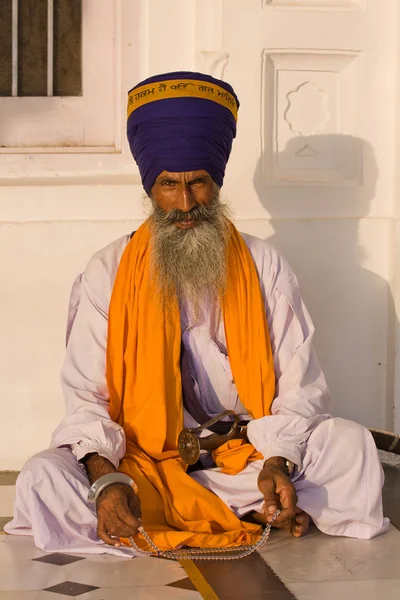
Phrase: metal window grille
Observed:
(40, 47)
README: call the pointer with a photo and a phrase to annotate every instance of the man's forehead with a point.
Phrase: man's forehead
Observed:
(186, 175)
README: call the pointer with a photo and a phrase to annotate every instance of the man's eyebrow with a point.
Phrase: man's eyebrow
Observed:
(163, 178)
(203, 176)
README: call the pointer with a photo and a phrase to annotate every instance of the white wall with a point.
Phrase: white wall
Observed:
(334, 216)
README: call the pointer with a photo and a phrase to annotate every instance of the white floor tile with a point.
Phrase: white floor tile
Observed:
(7, 497)
(322, 558)
(17, 570)
(279, 537)
(17, 547)
(139, 593)
(140, 571)
(347, 590)
(27, 575)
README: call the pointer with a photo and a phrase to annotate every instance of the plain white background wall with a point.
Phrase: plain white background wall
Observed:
(317, 180)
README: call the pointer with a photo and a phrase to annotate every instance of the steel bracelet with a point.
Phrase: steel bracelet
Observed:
(103, 482)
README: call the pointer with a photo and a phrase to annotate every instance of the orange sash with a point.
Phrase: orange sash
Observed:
(144, 382)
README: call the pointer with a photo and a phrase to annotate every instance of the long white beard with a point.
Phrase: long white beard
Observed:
(190, 263)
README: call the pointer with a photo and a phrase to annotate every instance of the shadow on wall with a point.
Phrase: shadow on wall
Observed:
(333, 178)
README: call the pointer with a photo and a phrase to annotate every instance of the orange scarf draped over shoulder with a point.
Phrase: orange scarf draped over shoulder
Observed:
(144, 383)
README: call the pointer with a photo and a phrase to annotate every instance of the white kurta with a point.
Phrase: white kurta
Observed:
(338, 477)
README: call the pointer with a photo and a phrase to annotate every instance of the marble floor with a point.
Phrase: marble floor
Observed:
(316, 567)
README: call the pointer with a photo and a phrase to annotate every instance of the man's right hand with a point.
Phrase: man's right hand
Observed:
(118, 514)
(118, 507)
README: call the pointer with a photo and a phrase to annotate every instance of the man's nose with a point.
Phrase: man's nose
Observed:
(186, 198)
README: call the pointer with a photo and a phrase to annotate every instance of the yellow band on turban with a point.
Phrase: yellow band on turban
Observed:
(181, 88)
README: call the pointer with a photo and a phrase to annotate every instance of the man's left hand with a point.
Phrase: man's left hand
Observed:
(279, 493)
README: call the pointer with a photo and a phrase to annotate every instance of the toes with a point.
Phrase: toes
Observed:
(298, 530)
(297, 534)
(300, 524)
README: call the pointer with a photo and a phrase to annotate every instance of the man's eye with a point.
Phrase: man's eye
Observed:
(169, 183)
(198, 181)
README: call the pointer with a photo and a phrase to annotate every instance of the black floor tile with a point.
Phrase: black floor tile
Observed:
(59, 559)
(70, 588)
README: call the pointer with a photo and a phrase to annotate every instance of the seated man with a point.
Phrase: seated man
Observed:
(176, 323)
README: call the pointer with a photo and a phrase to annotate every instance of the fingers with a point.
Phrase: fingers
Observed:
(109, 529)
(285, 517)
(118, 514)
(134, 506)
(279, 493)
(129, 520)
(267, 487)
(103, 535)
(119, 522)
(287, 495)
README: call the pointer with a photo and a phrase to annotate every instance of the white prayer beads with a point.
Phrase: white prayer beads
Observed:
(204, 553)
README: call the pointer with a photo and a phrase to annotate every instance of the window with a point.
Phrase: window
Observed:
(40, 46)
(79, 130)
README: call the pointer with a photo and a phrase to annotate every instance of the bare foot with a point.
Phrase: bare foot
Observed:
(299, 525)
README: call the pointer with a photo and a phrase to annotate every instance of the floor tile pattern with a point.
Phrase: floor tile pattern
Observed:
(70, 588)
(312, 568)
(27, 573)
(58, 559)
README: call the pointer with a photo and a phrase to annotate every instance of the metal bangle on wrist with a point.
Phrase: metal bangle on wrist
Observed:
(290, 467)
(105, 481)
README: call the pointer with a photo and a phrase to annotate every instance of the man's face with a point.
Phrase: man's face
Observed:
(190, 228)
(183, 192)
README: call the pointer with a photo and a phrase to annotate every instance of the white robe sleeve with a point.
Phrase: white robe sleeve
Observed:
(87, 426)
(302, 398)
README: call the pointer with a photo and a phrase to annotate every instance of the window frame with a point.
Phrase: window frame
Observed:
(80, 128)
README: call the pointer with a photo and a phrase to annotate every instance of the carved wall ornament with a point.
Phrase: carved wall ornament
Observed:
(307, 109)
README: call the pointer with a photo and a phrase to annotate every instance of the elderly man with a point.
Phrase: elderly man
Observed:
(176, 323)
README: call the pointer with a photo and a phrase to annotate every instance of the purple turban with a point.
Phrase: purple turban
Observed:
(181, 121)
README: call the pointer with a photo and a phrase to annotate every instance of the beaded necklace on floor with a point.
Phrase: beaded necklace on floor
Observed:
(204, 553)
